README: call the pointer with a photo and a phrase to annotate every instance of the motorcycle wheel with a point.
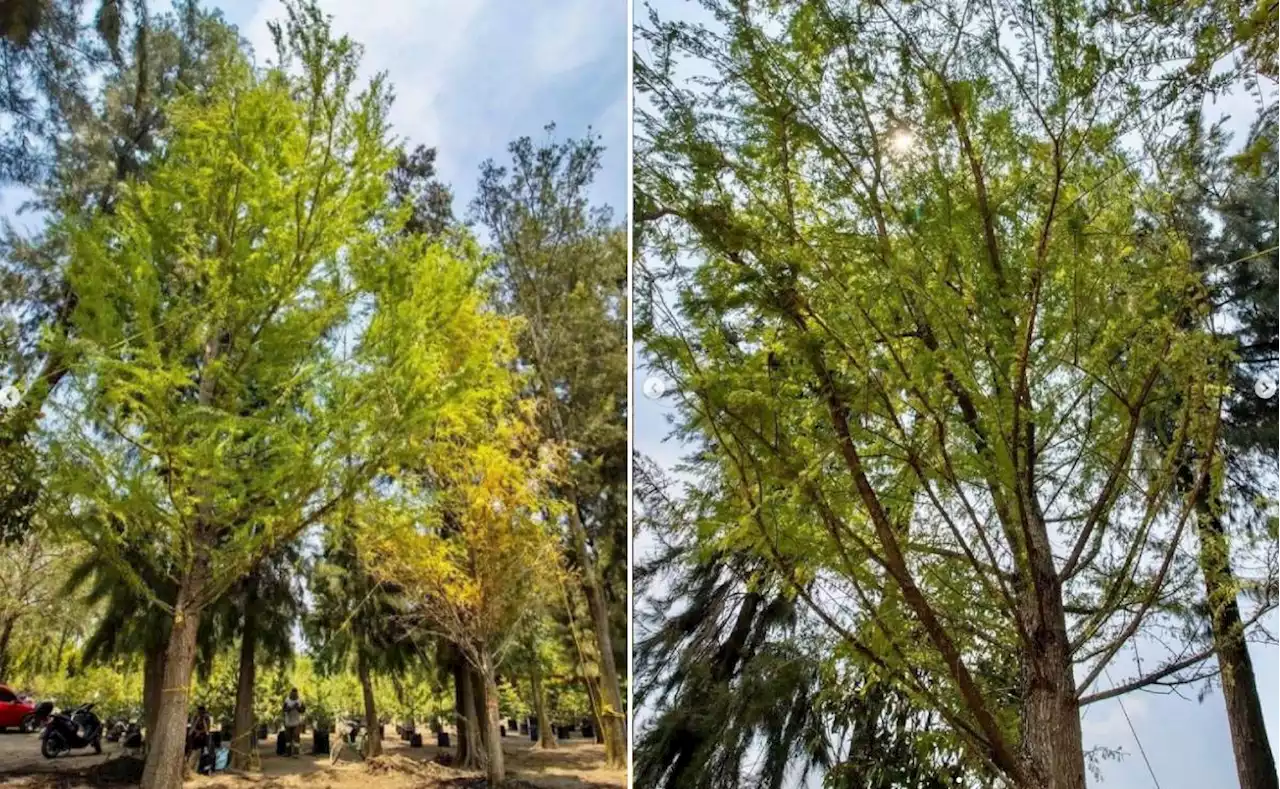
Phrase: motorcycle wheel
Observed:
(28, 723)
(51, 746)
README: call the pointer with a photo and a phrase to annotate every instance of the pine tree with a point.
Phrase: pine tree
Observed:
(561, 267)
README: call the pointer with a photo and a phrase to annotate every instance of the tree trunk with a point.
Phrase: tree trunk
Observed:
(5, 634)
(495, 769)
(166, 756)
(1255, 764)
(545, 740)
(462, 747)
(373, 736)
(152, 683)
(1051, 735)
(62, 645)
(244, 736)
(592, 688)
(479, 693)
(469, 746)
(612, 715)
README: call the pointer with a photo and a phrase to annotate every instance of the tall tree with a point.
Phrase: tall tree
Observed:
(29, 578)
(932, 298)
(561, 266)
(357, 622)
(1226, 212)
(76, 164)
(211, 301)
(262, 608)
(473, 553)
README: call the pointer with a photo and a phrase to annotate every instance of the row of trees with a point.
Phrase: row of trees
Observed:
(259, 354)
(964, 305)
(421, 694)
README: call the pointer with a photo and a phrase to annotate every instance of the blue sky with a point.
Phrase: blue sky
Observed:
(472, 75)
(1185, 739)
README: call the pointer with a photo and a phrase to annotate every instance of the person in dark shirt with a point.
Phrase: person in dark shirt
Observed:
(199, 731)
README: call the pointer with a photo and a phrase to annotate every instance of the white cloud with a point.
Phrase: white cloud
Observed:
(471, 76)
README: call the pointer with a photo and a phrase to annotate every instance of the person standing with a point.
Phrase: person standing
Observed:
(293, 709)
(199, 731)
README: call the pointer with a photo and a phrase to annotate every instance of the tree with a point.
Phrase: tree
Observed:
(414, 186)
(74, 160)
(1225, 213)
(561, 266)
(924, 297)
(356, 620)
(127, 623)
(743, 664)
(535, 657)
(263, 608)
(211, 301)
(475, 557)
(28, 586)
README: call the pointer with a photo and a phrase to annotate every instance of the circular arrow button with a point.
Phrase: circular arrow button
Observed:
(654, 387)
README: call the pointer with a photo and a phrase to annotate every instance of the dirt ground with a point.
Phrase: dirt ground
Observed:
(576, 764)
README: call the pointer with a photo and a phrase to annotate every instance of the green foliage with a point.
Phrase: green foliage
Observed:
(243, 306)
(115, 690)
(917, 287)
(511, 703)
(561, 266)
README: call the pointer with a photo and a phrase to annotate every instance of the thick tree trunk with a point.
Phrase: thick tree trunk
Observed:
(152, 683)
(1255, 764)
(245, 736)
(166, 756)
(612, 714)
(469, 744)
(6, 633)
(545, 738)
(495, 768)
(479, 696)
(1051, 736)
(373, 736)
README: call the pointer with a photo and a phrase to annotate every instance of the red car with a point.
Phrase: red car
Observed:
(15, 711)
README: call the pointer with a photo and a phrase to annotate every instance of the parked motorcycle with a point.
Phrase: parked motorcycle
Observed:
(67, 732)
(115, 729)
(37, 719)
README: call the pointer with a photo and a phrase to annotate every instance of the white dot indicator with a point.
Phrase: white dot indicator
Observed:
(10, 396)
(654, 387)
(1265, 388)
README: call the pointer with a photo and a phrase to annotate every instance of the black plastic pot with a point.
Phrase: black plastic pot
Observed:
(320, 743)
(442, 739)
